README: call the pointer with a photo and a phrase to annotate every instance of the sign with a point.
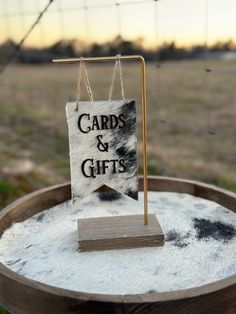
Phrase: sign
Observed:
(103, 147)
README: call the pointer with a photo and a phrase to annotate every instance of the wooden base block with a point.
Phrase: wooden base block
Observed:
(119, 232)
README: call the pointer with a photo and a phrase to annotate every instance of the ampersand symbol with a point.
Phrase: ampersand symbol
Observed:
(103, 147)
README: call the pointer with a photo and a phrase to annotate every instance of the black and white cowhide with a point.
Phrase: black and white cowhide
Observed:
(102, 139)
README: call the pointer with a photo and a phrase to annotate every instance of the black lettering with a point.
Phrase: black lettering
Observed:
(122, 164)
(104, 122)
(104, 166)
(113, 165)
(79, 123)
(98, 167)
(91, 169)
(95, 125)
(121, 119)
(113, 121)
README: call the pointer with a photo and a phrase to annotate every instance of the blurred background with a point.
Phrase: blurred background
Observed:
(190, 49)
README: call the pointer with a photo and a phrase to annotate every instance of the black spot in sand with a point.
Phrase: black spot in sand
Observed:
(109, 196)
(49, 271)
(217, 230)
(13, 262)
(114, 212)
(200, 206)
(78, 210)
(28, 246)
(152, 291)
(40, 217)
(177, 239)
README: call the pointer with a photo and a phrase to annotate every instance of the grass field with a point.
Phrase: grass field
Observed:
(191, 121)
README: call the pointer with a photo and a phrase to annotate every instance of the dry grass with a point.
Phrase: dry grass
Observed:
(182, 108)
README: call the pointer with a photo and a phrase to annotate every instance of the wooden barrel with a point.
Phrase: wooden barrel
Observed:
(21, 295)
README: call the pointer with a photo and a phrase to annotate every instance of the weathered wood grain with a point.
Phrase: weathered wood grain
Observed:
(25, 296)
(120, 232)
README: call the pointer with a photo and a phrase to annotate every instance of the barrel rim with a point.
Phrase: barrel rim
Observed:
(61, 192)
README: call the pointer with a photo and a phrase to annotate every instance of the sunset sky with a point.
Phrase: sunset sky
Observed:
(183, 21)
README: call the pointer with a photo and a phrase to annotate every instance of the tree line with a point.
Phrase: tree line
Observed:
(119, 45)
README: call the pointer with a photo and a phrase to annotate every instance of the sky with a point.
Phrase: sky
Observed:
(184, 21)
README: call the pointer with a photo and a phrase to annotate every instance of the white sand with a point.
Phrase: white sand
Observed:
(44, 247)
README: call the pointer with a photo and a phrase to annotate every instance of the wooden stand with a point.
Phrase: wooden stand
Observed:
(120, 232)
(130, 231)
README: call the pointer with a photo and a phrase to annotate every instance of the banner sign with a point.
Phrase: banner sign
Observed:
(103, 147)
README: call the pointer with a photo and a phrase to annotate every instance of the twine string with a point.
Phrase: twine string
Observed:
(117, 65)
(88, 86)
(82, 69)
(78, 86)
(113, 80)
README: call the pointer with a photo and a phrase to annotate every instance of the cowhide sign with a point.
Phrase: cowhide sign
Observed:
(102, 139)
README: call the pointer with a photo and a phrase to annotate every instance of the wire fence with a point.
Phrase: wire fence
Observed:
(18, 47)
(86, 6)
(192, 105)
(167, 115)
